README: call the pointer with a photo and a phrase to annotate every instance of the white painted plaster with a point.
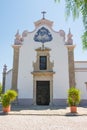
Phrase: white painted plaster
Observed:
(81, 78)
(58, 55)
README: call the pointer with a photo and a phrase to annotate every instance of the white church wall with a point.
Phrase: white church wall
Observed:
(58, 55)
(8, 80)
(61, 81)
(81, 77)
(25, 78)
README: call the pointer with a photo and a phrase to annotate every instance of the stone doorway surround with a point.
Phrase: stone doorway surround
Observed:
(43, 75)
(46, 76)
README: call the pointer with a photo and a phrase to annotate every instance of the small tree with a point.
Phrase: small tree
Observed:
(8, 97)
(73, 96)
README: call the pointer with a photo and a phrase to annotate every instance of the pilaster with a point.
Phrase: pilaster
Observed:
(71, 64)
(15, 66)
(51, 91)
(34, 92)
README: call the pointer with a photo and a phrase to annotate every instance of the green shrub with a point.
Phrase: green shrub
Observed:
(11, 94)
(5, 100)
(8, 97)
(73, 96)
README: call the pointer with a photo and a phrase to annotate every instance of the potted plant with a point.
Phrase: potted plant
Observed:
(7, 98)
(73, 98)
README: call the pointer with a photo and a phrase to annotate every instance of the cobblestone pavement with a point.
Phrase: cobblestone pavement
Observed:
(28, 122)
(43, 118)
(47, 110)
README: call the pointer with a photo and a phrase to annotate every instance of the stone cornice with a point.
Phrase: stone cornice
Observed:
(81, 69)
(70, 47)
(45, 49)
(42, 73)
(80, 61)
(16, 46)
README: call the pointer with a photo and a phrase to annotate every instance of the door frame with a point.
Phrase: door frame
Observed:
(51, 90)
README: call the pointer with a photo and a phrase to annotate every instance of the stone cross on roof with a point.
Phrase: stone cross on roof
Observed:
(43, 14)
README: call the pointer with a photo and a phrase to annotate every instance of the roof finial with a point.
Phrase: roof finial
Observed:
(69, 31)
(17, 40)
(43, 14)
(5, 68)
(69, 38)
(17, 34)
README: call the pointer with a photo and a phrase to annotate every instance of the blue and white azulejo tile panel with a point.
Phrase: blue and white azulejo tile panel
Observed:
(43, 35)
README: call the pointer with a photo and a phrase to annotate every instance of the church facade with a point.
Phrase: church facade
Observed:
(44, 67)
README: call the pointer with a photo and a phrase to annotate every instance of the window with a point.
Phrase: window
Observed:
(43, 62)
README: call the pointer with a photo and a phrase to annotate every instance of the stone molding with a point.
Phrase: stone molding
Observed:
(70, 47)
(15, 66)
(43, 22)
(43, 75)
(71, 64)
(43, 52)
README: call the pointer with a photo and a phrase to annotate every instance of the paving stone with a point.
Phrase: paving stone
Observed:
(28, 122)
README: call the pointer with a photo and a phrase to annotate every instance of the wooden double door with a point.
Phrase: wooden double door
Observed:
(42, 92)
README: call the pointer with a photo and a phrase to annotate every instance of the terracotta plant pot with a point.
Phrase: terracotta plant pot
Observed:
(73, 109)
(7, 109)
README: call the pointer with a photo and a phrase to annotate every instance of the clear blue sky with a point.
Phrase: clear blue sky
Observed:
(21, 14)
